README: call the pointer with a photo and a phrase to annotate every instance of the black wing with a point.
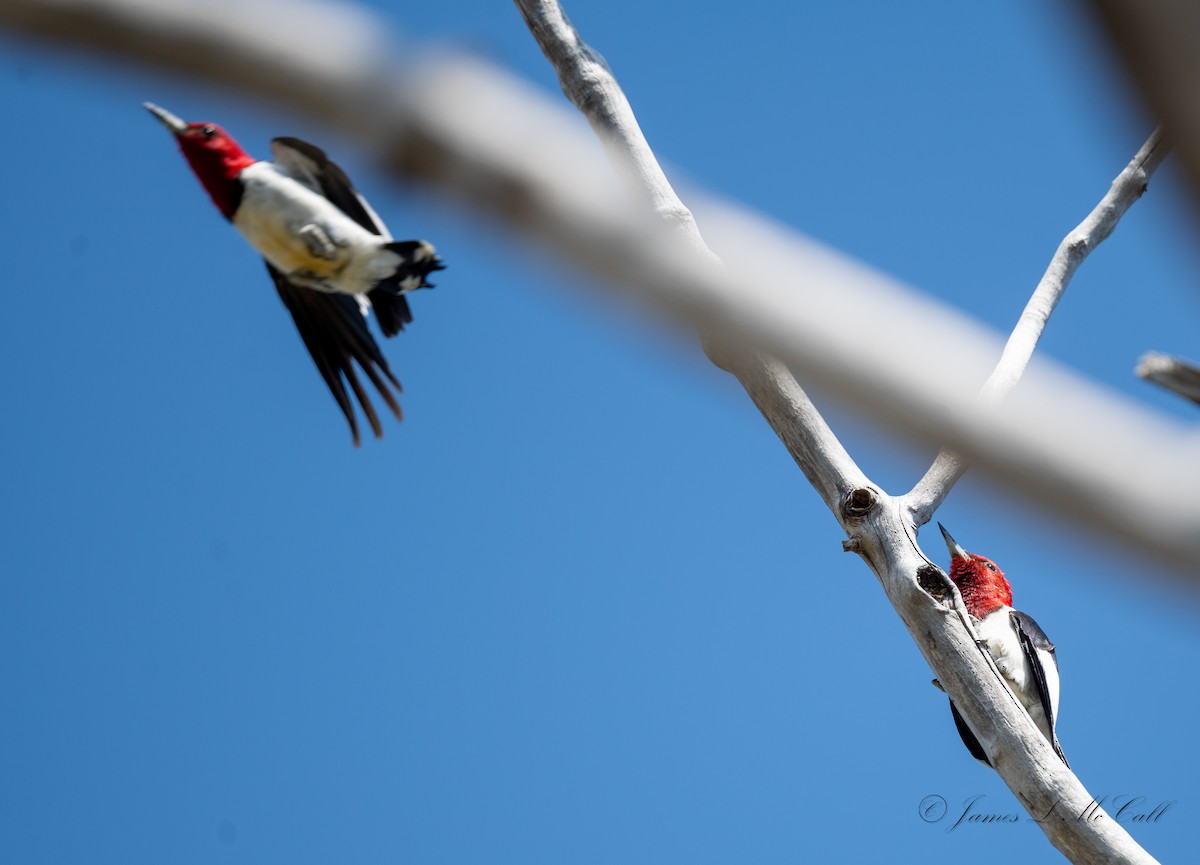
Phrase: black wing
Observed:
(1039, 652)
(310, 165)
(335, 333)
(968, 737)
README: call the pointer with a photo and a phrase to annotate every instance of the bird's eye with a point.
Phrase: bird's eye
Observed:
(209, 131)
(990, 566)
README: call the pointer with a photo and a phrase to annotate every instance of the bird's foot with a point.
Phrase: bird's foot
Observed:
(318, 241)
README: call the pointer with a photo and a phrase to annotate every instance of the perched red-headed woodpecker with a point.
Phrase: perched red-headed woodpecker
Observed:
(1022, 651)
(329, 254)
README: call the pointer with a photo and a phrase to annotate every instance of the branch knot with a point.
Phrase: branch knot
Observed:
(934, 582)
(859, 503)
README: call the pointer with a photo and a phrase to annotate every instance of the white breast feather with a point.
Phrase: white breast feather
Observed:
(996, 630)
(273, 211)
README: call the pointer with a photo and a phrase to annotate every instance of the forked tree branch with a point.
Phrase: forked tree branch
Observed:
(879, 528)
(948, 467)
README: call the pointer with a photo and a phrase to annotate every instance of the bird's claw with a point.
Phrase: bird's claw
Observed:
(318, 242)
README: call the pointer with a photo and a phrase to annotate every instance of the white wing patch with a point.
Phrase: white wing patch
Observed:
(997, 631)
(1024, 673)
(1050, 671)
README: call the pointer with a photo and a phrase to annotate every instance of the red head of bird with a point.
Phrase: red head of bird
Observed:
(213, 154)
(982, 584)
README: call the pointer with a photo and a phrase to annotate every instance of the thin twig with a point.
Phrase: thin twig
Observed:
(1181, 377)
(1127, 188)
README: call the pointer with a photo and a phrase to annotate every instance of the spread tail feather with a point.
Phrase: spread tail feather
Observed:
(417, 260)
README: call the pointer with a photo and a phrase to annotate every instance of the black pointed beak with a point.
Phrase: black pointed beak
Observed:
(165, 117)
(952, 545)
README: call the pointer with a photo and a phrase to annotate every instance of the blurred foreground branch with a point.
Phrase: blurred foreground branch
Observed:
(472, 131)
(1157, 40)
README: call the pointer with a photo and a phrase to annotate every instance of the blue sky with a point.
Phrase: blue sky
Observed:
(579, 607)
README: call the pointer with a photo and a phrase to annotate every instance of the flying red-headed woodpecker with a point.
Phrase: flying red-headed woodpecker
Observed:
(329, 254)
(1022, 651)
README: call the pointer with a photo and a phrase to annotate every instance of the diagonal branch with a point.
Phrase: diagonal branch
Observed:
(948, 467)
(589, 83)
(1157, 41)
(879, 528)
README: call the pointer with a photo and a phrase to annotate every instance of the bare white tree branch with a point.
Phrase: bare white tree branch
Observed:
(475, 133)
(588, 82)
(879, 528)
(1127, 188)
(932, 610)
(1180, 376)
